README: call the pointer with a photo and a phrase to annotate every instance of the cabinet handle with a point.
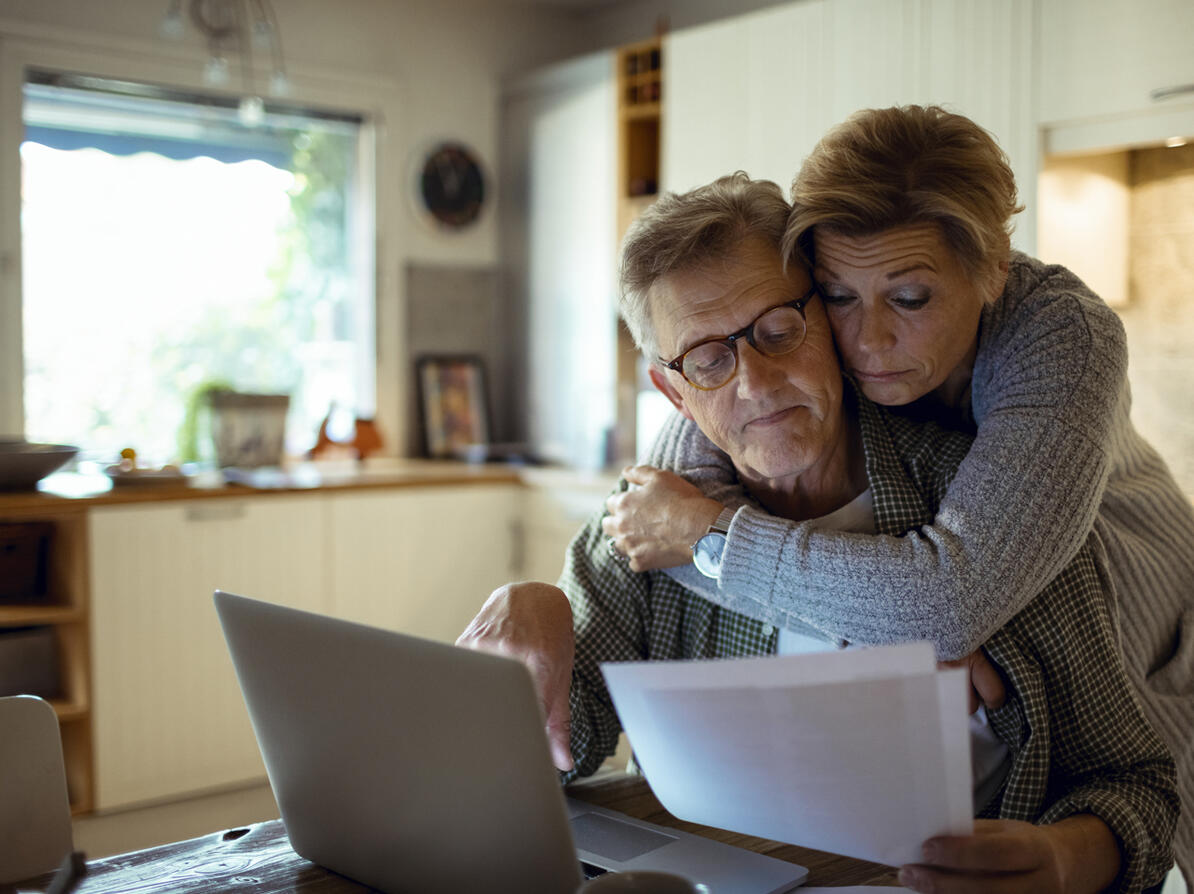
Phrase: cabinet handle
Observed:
(216, 510)
(1170, 92)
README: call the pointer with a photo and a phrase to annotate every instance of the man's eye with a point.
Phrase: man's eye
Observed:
(709, 361)
(778, 334)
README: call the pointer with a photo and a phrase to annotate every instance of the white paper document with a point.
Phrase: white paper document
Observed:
(863, 752)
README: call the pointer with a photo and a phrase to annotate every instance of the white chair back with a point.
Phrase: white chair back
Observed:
(35, 829)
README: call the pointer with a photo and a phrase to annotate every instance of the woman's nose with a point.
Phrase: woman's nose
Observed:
(874, 333)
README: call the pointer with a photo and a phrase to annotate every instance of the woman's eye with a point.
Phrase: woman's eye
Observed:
(836, 298)
(910, 300)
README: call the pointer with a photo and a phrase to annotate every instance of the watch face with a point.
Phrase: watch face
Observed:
(706, 553)
(451, 185)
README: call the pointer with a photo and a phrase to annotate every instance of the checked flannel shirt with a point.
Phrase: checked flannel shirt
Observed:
(1079, 740)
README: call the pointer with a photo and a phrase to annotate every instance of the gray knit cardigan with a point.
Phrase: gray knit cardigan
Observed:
(1055, 455)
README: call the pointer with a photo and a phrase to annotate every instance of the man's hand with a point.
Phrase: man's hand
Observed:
(532, 622)
(1075, 856)
(656, 523)
(986, 686)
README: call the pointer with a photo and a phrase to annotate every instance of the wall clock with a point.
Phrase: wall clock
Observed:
(451, 185)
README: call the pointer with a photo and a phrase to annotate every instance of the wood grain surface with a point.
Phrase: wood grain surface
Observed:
(258, 858)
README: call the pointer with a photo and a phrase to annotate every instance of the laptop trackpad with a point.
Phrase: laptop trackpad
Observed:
(614, 839)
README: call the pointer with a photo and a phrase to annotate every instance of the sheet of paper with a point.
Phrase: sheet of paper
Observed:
(864, 752)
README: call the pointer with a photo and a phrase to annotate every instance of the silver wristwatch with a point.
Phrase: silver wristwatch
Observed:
(707, 552)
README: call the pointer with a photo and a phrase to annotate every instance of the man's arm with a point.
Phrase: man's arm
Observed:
(1076, 713)
(532, 622)
(600, 612)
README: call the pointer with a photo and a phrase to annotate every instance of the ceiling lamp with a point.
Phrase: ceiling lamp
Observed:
(233, 29)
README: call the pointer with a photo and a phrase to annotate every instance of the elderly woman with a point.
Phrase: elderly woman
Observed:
(904, 215)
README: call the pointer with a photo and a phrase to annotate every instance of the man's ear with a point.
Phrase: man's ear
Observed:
(659, 380)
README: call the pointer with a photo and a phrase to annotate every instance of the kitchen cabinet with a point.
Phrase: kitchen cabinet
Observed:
(556, 504)
(421, 560)
(558, 230)
(58, 603)
(168, 714)
(756, 92)
(1104, 59)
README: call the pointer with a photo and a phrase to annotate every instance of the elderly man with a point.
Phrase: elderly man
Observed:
(1076, 790)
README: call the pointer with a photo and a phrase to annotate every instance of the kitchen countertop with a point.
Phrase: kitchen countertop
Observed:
(67, 490)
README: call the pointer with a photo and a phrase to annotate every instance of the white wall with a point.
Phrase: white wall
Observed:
(424, 70)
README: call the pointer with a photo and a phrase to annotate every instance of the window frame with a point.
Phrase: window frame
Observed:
(374, 99)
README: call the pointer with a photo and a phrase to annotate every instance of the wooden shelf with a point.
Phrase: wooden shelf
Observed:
(641, 110)
(67, 583)
(68, 710)
(33, 615)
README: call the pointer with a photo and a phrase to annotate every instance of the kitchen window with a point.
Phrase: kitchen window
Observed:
(168, 245)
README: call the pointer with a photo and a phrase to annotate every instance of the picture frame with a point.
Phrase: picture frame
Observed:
(453, 404)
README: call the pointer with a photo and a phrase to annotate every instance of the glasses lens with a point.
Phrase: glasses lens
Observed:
(779, 331)
(709, 365)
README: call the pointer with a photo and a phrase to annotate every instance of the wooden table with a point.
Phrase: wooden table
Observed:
(258, 858)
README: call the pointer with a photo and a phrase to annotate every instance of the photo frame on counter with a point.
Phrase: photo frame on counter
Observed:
(453, 404)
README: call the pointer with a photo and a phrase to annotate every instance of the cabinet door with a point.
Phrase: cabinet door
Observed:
(746, 94)
(1104, 57)
(553, 512)
(705, 108)
(558, 236)
(169, 717)
(979, 61)
(874, 52)
(785, 101)
(422, 560)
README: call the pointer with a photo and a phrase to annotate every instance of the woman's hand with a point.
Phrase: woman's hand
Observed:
(986, 685)
(656, 523)
(1077, 855)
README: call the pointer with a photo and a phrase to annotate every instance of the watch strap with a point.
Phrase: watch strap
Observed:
(721, 524)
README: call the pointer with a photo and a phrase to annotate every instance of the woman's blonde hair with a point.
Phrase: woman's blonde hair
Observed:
(681, 231)
(882, 168)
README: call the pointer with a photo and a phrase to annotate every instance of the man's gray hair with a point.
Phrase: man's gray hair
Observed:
(682, 231)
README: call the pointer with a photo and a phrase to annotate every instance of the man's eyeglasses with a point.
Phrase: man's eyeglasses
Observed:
(776, 331)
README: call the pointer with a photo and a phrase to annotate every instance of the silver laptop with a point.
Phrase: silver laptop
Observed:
(414, 766)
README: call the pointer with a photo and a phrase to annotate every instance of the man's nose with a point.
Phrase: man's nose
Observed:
(757, 373)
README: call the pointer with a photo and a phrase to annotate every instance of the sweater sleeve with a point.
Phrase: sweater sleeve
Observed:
(1047, 389)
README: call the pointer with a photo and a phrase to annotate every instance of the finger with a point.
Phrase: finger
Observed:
(932, 880)
(609, 527)
(638, 474)
(614, 502)
(985, 678)
(975, 699)
(985, 851)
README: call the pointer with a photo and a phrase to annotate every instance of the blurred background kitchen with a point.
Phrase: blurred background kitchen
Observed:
(402, 216)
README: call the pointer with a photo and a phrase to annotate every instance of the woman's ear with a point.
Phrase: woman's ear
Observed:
(659, 380)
